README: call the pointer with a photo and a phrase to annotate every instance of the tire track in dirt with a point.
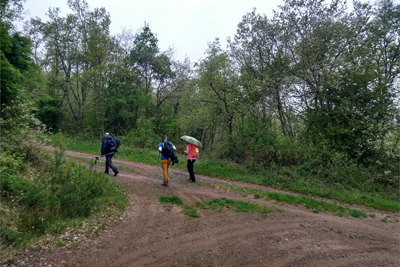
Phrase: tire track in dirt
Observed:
(155, 234)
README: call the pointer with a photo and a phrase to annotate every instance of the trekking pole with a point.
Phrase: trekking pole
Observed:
(97, 158)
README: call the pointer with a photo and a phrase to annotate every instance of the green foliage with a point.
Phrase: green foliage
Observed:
(15, 54)
(11, 10)
(47, 202)
(231, 148)
(9, 237)
(143, 136)
(11, 78)
(50, 114)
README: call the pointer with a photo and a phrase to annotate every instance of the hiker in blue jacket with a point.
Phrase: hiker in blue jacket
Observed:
(165, 148)
(108, 149)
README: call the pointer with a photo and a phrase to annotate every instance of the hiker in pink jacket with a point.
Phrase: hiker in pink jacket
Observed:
(190, 160)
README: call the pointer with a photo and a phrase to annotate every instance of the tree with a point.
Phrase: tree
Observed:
(152, 66)
(76, 52)
(14, 53)
(218, 84)
(264, 68)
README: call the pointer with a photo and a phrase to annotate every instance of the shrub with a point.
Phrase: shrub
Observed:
(46, 203)
(143, 136)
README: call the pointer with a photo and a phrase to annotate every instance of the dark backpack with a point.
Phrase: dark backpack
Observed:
(112, 145)
(167, 150)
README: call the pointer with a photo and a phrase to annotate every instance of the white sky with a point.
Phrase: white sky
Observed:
(187, 25)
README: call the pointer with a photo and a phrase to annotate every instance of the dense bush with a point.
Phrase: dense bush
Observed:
(143, 136)
(45, 201)
(302, 162)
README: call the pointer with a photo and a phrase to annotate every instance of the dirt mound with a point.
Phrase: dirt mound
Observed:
(155, 234)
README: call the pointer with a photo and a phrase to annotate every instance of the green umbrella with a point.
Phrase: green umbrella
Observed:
(191, 140)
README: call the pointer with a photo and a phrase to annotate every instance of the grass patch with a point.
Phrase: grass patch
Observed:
(173, 199)
(187, 210)
(190, 211)
(357, 213)
(236, 205)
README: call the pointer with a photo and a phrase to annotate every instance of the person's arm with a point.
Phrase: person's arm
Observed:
(186, 150)
(159, 148)
(103, 147)
(173, 147)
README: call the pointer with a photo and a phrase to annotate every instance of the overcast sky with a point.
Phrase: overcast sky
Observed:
(187, 25)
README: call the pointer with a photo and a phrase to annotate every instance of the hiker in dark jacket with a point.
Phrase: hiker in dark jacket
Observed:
(165, 162)
(108, 149)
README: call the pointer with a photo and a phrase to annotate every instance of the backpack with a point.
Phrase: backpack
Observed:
(167, 150)
(112, 144)
(194, 151)
(117, 142)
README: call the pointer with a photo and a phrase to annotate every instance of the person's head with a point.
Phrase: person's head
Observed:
(164, 138)
(106, 134)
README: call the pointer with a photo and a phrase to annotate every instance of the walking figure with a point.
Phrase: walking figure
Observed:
(108, 149)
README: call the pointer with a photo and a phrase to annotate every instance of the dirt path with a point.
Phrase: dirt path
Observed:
(153, 234)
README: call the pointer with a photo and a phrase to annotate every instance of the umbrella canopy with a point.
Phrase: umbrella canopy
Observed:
(191, 140)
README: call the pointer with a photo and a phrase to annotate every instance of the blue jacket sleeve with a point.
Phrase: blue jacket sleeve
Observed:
(103, 147)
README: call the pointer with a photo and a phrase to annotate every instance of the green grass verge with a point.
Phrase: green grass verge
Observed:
(310, 203)
(230, 171)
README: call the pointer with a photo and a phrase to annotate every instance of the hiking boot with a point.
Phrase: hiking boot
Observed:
(115, 174)
(166, 185)
(106, 173)
(191, 181)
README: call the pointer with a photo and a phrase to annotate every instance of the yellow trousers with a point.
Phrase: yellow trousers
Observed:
(165, 169)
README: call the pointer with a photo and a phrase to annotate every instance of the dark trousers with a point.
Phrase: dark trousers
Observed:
(190, 163)
(109, 164)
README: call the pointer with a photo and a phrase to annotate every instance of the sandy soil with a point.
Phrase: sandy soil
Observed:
(154, 234)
